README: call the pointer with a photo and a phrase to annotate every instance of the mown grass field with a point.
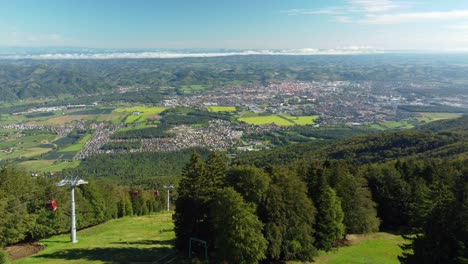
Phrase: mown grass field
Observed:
(392, 125)
(217, 109)
(381, 248)
(143, 113)
(77, 146)
(145, 239)
(280, 120)
(48, 165)
(430, 117)
(301, 120)
(149, 239)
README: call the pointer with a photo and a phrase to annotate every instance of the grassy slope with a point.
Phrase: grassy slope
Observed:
(130, 239)
(150, 238)
(382, 248)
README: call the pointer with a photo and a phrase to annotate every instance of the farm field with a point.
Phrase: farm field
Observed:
(392, 125)
(147, 239)
(48, 165)
(217, 109)
(27, 146)
(429, 117)
(280, 120)
(143, 113)
(301, 120)
(77, 146)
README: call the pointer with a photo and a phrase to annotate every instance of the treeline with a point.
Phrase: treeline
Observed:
(280, 213)
(433, 108)
(247, 214)
(133, 168)
(26, 216)
(418, 181)
(49, 78)
(440, 139)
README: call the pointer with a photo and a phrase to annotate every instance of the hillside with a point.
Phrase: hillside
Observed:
(19, 82)
(146, 239)
(440, 139)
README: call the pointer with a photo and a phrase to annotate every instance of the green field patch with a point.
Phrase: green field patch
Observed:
(300, 120)
(382, 248)
(430, 117)
(144, 239)
(221, 108)
(77, 146)
(142, 109)
(396, 125)
(47, 165)
(96, 111)
(134, 119)
(194, 87)
(139, 114)
(263, 120)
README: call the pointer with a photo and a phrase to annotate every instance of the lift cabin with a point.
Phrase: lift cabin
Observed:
(51, 205)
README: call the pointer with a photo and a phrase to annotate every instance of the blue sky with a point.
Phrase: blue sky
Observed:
(239, 24)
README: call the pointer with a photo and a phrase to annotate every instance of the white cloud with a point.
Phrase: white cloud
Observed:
(325, 11)
(354, 50)
(374, 6)
(415, 17)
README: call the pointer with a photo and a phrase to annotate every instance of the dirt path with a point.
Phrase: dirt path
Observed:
(23, 250)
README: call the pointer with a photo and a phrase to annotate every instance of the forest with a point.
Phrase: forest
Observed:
(274, 205)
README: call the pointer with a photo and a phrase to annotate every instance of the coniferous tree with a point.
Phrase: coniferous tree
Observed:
(252, 183)
(329, 218)
(288, 215)
(199, 184)
(360, 215)
(444, 237)
(238, 231)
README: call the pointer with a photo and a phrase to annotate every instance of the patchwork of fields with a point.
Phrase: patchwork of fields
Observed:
(280, 120)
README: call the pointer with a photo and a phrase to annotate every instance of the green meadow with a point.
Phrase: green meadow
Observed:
(221, 108)
(144, 239)
(280, 120)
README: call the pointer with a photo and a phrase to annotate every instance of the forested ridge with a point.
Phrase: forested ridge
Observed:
(25, 79)
(283, 204)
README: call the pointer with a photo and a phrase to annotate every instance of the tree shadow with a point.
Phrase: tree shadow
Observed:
(114, 255)
(147, 242)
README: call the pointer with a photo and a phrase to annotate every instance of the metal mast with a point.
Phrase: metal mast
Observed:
(72, 182)
(168, 188)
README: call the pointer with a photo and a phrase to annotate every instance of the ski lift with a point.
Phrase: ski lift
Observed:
(51, 205)
(156, 193)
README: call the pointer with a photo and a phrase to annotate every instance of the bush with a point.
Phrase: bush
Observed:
(3, 257)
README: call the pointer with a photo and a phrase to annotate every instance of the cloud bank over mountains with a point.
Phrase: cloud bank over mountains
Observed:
(167, 54)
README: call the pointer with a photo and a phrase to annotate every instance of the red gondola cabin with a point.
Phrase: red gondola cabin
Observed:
(156, 193)
(51, 205)
(135, 193)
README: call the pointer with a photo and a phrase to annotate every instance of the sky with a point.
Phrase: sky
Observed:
(437, 25)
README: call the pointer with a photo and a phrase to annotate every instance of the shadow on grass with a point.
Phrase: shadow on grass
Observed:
(113, 255)
(147, 242)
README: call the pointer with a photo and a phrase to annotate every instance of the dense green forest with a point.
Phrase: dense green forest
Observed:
(26, 216)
